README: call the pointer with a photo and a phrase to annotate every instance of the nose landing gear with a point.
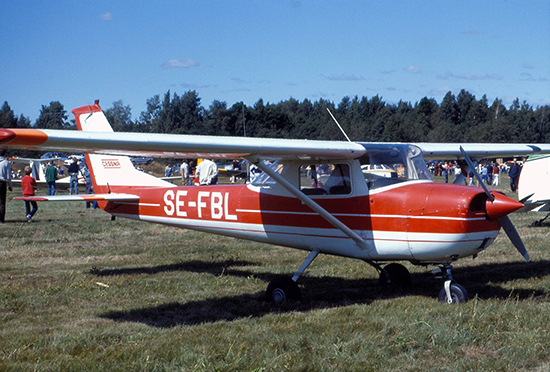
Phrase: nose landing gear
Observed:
(451, 293)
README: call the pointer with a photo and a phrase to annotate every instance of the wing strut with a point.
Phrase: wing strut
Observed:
(264, 166)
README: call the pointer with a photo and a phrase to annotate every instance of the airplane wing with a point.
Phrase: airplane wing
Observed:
(178, 146)
(96, 136)
(81, 197)
(450, 151)
(195, 146)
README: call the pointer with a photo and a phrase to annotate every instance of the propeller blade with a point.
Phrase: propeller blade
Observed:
(512, 233)
(474, 170)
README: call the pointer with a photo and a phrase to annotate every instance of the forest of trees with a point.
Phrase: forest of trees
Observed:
(461, 118)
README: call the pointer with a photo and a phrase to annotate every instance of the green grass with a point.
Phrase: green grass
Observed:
(81, 292)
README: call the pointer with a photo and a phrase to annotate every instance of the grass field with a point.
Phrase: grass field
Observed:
(82, 292)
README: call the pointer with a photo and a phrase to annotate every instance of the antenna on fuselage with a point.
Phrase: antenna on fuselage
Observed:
(339, 126)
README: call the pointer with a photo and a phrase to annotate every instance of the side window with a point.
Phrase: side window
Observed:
(325, 179)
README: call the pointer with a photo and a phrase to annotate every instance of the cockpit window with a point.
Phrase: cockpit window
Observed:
(387, 164)
(325, 179)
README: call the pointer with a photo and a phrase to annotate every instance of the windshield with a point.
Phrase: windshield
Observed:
(259, 178)
(387, 164)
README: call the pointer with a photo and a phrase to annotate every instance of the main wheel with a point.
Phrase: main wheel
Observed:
(281, 290)
(395, 274)
(459, 294)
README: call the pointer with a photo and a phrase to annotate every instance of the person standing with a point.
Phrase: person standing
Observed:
(168, 170)
(73, 180)
(185, 171)
(514, 172)
(5, 182)
(496, 174)
(29, 186)
(207, 172)
(89, 188)
(51, 176)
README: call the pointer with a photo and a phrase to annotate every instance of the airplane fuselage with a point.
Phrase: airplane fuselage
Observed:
(419, 221)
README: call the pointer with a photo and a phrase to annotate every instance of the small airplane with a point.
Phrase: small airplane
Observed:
(339, 207)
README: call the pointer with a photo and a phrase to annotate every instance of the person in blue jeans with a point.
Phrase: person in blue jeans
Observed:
(51, 176)
(73, 173)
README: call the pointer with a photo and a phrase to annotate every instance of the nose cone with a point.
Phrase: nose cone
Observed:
(6, 135)
(501, 206)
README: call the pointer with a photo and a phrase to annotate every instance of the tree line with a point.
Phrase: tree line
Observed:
(460, 118)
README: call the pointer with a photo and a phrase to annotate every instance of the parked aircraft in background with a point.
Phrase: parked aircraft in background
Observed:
(533, 185)
(38, 168)
(338, 207)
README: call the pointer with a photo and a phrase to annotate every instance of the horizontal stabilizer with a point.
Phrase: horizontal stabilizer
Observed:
(81, 197)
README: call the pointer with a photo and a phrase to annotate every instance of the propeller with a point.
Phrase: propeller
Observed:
(505, 221)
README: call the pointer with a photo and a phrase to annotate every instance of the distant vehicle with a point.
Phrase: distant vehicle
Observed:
(55, 155)
(141, 160)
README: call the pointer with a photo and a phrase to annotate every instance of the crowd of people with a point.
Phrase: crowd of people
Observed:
(205, 173)
(490, 172)
(52, 173)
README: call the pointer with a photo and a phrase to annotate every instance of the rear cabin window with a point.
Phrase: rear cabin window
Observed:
(325, 179)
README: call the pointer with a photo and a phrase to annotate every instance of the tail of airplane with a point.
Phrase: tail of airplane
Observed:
(533, 183)
(110, 173)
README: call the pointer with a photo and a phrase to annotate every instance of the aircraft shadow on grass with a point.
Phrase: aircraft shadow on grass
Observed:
(318, 292)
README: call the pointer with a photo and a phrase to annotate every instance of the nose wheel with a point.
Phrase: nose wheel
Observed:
(451, 293)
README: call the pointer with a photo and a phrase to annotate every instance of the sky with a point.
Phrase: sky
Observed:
(234, 51)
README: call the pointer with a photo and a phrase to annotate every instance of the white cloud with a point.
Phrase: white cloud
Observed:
(450, 75)
(106, 17)
(197, 86)
(180, 63)
(440, 91)
(413, 69)
(343, 77)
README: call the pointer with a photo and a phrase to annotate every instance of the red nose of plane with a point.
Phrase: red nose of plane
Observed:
(501, 206)
(6, 135)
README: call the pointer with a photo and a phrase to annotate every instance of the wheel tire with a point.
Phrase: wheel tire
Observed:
(281, 290)
(459, 294)
(399, 276)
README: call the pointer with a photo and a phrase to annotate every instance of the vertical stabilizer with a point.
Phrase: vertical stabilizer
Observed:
(110, 170)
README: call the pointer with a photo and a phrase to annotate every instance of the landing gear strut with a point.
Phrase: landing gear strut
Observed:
(451, 293)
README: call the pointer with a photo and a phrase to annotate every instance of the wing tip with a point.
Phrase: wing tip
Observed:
(6, 135)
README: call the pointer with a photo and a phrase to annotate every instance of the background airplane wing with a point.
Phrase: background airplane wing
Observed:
(82, 197)
(450, 151)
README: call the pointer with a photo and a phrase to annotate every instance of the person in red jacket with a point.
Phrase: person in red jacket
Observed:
(28, 184)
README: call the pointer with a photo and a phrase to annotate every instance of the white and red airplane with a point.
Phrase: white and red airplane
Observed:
(342, 206)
